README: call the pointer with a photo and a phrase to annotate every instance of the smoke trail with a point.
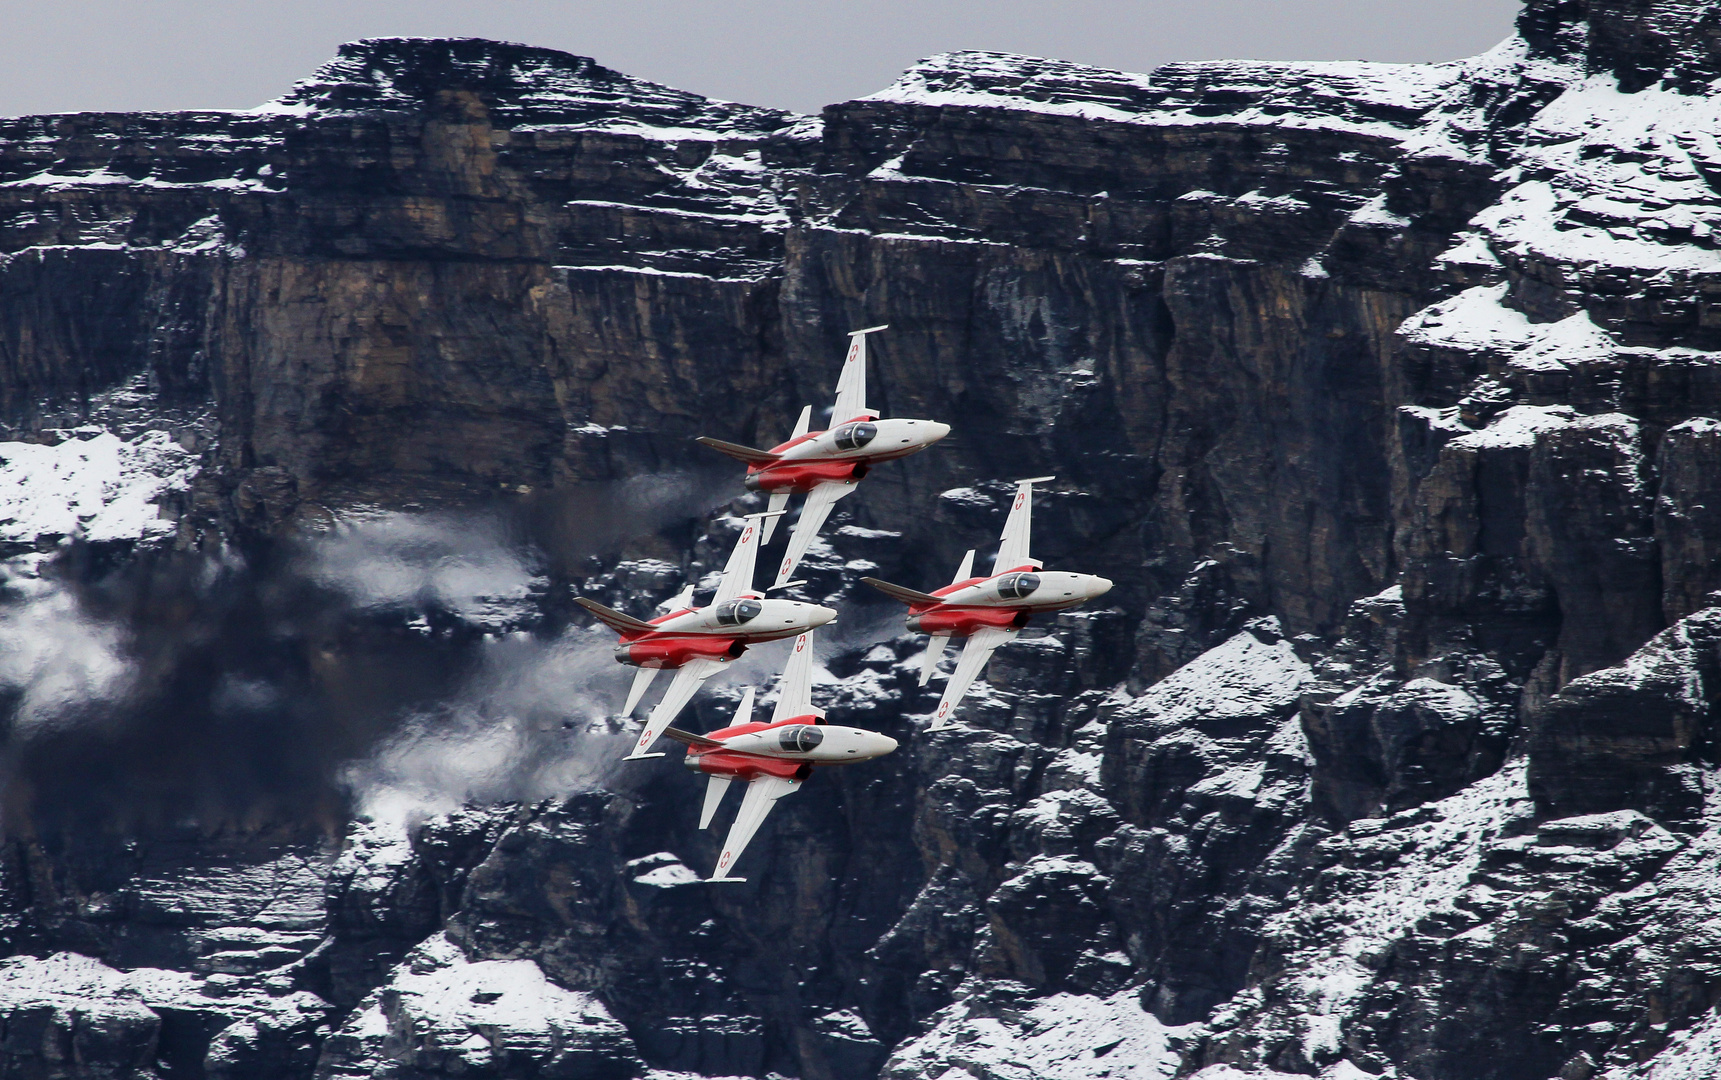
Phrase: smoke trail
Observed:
(531, 722)
(56, 663)
(398, 662)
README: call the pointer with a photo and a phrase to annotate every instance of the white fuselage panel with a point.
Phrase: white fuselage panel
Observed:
(1055, 589)
(775, 619)
(835, 743)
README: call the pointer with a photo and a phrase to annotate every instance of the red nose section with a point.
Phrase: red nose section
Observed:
(673, 652)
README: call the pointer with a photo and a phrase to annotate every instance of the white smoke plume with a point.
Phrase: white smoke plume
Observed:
(531, 723)
(56, 659)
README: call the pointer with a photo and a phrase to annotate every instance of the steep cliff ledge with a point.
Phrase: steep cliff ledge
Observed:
(1389, 396)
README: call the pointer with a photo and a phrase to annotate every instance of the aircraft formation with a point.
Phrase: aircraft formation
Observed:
(773, 758)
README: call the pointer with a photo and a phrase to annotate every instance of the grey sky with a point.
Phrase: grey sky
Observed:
(66, 55)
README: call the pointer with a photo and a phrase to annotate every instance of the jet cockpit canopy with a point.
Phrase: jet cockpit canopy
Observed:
(855, 436)
(800, 739)
(736, 612)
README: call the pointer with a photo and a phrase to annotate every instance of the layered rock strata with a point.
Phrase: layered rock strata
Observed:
(1385, 393)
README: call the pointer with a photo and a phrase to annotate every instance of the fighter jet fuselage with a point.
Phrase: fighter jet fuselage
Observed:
(785, 748)
(717, 631)
(989, 611)
(1007, 599)
(772, 759)
(843, 453)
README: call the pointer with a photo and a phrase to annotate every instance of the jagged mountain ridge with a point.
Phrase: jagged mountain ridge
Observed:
(1383, 392)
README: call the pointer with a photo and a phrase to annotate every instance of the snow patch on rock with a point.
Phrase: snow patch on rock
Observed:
(100, 488)
(1239, 679)
(1061, 1037)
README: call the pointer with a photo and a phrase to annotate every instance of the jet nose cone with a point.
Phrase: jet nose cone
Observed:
(819, 615)
(1101, 586)
(884, 745)
(936, 431)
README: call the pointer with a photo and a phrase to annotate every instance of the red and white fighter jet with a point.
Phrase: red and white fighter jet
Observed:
(698, 641)
(989, 611)
(826, 465)
(773, 757)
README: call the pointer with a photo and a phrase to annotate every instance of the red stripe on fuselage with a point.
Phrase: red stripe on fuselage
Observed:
(803, 476)
(738, 763)
(963, 621)
(675, 650)
(745, 766)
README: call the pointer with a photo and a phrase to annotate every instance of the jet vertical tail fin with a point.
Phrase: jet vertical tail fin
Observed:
(795, 691)
(738, 574)
(851, 384)
(1013, 545)
(966, 570)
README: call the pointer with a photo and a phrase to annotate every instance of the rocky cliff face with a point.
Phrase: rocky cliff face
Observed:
(1386, 394)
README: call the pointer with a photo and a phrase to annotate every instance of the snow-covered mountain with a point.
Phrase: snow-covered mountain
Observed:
(1385, 393)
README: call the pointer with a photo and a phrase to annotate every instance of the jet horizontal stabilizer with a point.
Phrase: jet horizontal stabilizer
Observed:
(751, 455)
(723, 880)
(688, 738)
(619, 621)
(902, 592)
(640, 757)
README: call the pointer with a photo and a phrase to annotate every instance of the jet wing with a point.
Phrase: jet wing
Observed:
(813, 514)
(795, 692)
(762, 794)
(738, 572)
(1013, 545)
(688, 678)
(851, 384)
(973, 661)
